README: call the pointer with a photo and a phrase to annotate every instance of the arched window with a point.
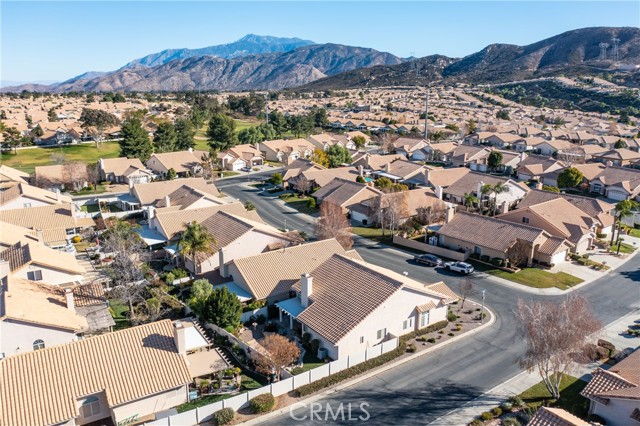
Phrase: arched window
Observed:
(38, 344)
(90, 407)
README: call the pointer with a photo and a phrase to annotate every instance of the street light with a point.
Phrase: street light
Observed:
(482, 310)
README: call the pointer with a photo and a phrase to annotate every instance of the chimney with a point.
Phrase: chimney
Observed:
(449, 214)
(179, 337)
(439, 192)
(523, 156)
(539, 185)
(73, 209)
(609, 163)
(167, 201)
(479, 190)
(39, 235)
(190, 150)
(151, 212)
(426, 176)
(306, 283)
(361, 170)
(224, 269)
(387, 167)
(130, 185)
(504, 207)
(68, 294)
(58, 200)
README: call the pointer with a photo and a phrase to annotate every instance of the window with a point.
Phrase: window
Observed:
(424, 319)
(71, 231)
(90, 407)
(525, 219)
(34, 275)
(381, 333)
(38, 344)
(361, 339)
(26, 205)
(408, 323)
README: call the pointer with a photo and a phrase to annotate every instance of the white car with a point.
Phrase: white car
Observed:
(461, 267)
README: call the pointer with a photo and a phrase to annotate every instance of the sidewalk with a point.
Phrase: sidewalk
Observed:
(523, 381)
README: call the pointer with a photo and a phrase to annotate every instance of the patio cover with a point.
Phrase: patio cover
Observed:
(150, 236)
(291, 307)
(234, 288)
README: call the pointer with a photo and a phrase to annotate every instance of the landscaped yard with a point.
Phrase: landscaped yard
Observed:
(570, 398)
(201, 402)
(119, 311)
(538, 278)
(27, 159)
(633, 232)
(624, 248)
(90, 208)
(99, 189)
(373, 234)
(298, 203)
(309, 361)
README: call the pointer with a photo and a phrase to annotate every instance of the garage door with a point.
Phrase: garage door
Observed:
(238, 165)
(559, 257)
(616, 195)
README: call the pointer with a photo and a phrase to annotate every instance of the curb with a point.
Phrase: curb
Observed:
(381, 369)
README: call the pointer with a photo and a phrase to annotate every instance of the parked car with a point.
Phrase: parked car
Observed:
(428, 259)
(246, 169)
(461, 267)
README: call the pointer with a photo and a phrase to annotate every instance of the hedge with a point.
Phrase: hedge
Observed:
(370, 364)
(262, 403)
(224, 416)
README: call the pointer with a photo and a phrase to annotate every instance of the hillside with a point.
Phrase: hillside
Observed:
(571, 53)
(250, 44)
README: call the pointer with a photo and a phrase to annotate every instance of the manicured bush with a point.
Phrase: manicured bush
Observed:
(497, 411)
(224, 416)
(506, 406)
(497, 261)
(431, 340)
(486, 416)
(262, 403)
(600, 235)
(76, 239)
(315, 345)
(311, 203)
(511, 421)
(476, 422)
(426, 330)
(451, 334)
(411, 348)
(451, 316)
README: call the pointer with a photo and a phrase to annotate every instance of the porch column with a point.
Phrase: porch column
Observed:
(280, 313)
(290, 321)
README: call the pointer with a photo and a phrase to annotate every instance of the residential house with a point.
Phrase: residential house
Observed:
(14, 195)
(345, 321)
(503, 140)
(345, 193)
(313, 178)
(617, 157)
(184, 163)
(298, 166)
(411, 148)
(239, 157)
(150, 194)
(323, 141)
(72, 176)
(534, 167)
(473, 183)
(9, 174)
(598, 210)
(527, 144)
(57, 223)
(35, 315)
(463, 155)
(236, 237)
(561, 218)
(551, 147)
(494, 237)
(371, 162)
(286, 150)
(616, 183)
(440, 152)
(123, 170)
(89, 380)
(36, 262)
(413, 203)
(269, 276)
(614, 394)
(402, 171)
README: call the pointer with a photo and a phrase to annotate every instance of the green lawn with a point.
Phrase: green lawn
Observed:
(309, 361)
(570, 398)
(372, 233)
(119, 312)
(99, 189)
(624, 248)
(247, 384)
(538, 278)
(201, 402)
(297, 203)
(90, 208)
(633, 232)
(27, 159)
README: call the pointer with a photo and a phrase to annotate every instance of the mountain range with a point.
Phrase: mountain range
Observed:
(264, 62)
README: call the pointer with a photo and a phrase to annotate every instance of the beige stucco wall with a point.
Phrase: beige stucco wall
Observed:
(617, 412)
(104, 410)
(454, 244)
(151, 404)
(49, 275)
(19, 203)
(18, 337)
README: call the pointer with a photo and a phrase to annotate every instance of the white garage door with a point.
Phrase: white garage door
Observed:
(559, 257)
(616, 195)
(238, 165)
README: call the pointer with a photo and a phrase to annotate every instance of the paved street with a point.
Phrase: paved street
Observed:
(427, 388)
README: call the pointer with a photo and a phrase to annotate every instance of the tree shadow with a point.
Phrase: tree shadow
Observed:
(631, 275)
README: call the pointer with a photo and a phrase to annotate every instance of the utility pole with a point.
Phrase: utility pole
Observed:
(482, 310)
(426, 116)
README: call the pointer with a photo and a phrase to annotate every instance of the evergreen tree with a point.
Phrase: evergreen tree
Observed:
(221, 132)
(185, 135)
(135, 140)
(165, 138)
(222, 308)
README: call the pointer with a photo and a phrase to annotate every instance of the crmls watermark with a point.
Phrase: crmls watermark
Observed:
(318, 411)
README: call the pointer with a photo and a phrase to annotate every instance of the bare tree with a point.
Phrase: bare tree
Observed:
(553, 332)
(206, 163)
(74, 175)
(333, 223)
(387, 143)
(571, 156)
(518, 253)
(279, 353)
(395, 209)
(467, 289)
(302, 184)
(93, 174)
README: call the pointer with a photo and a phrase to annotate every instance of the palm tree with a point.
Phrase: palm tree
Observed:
(623, 208)
(196, 240)
(498, 188)
(469, 200)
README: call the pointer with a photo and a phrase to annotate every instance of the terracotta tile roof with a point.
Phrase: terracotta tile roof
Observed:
(546, 416)
(469, 183)
(554, 245)
(171, 221)
(13, 175)
(118, 166)
(185, 196)
(446, 177)
(275, 272)
(620, 381)
(55, 216)
(11, 191)
(488, 232)
(588, 205)
(323, 177)
(150, 193)
(426, 307)
(22, 254)
(340, 191)
(43, 386)
(180, 161)
(298, 166)
(12, 234)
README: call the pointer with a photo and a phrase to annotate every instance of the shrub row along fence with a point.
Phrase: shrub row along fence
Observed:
(205, 413)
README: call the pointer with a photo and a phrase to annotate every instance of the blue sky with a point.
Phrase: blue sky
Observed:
(54, 40)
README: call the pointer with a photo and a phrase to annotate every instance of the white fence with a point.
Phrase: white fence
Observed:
(246, 316)
(205, 413)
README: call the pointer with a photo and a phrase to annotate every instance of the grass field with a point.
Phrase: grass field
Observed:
(570, 398)
(299, 204)
(538, 278)
(372, 233)
(26, 160)
(119, 312)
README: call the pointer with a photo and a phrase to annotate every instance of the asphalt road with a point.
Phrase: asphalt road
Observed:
(427, 388)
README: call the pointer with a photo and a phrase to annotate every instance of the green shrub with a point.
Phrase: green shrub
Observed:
(476, 422)
(451, 334)
(497, 261)
(511, 421)
(311, 203)
(600, 235)
(451, 316)
(484, 258)
(431, 340)
(486, 416)
(497, 411)
(411, 348)
(224, 416)
(315, 345)
(262, 403)
(506, 406)
(76, 239)
(429, 329)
